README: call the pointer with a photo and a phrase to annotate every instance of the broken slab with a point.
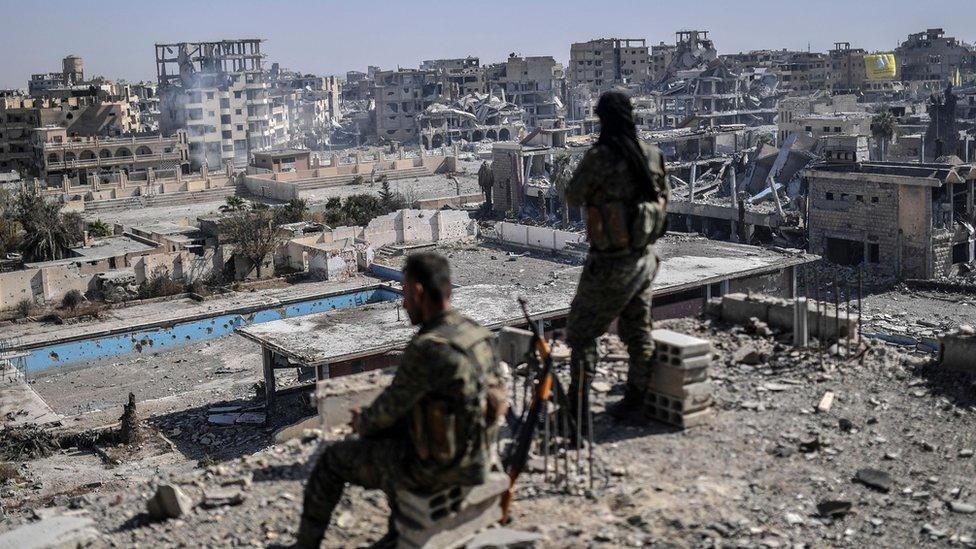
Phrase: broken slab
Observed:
(57, 531)
(503, 538)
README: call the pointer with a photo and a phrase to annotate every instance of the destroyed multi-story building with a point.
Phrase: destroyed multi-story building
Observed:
(534, 83)
(661, 56)
(401, 96)
(847, 71)
(474, 117)
(907, 220)
(693, 50)
(933, 56)
(219, 93)
(84, 116)
(72, 73)
(822, 115)
(305, 105)
(804, 72)
(463, 75)
(607, 62)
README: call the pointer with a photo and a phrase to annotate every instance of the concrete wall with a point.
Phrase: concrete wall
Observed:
(183, 266)
(861, 211)
(270, 188)
(43, 285)
(536, 237)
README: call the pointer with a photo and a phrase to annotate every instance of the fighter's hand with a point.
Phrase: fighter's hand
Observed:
(354, 413)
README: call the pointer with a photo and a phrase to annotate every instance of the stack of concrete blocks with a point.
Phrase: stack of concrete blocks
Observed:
(679, 392)
(451, 517)
(779, 313)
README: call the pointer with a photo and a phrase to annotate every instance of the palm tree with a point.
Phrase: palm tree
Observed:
(49, 234)
(234, 203)
(99, 229)
(883, 128)
(562, 172)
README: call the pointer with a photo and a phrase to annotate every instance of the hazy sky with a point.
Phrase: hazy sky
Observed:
(330, 37)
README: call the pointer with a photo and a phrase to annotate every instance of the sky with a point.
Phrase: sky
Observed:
(116, 38)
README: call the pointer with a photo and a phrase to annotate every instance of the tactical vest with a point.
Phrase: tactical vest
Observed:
(618, 225)
(445, 428)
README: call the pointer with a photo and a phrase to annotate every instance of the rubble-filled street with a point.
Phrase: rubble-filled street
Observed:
(770, 470)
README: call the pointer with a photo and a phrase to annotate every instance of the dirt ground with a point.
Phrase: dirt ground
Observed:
(752, 477)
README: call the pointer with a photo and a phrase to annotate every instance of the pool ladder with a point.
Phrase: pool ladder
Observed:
(13, 363)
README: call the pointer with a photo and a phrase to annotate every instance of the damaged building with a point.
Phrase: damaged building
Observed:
(907, 220)
(473, 117)
(219, 93)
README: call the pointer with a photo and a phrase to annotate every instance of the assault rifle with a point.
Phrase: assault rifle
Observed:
(515, 461)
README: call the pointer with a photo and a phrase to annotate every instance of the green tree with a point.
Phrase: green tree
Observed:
(48, 234)
(294, 211)
(883, 128)
(234, 203)
(10, 229)
(254, 235)
(562, 172)
(99, 229)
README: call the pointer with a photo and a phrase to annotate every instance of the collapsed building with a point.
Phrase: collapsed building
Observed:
(474, 117)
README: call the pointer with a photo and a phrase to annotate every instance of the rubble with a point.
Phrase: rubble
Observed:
(168, 502)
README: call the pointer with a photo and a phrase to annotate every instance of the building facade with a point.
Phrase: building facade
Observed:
(400, 97)
(219, 93)
(909, 220)
(931, 55)
(533, 83)
(606, 62)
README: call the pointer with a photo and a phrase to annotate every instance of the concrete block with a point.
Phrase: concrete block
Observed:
(449, 517)
(691, 363)
(498, 538)
(679, 419)
(691, 401)
(739, 308)
(513, 344)
(958, 352)
(679, 345)
(671, 381)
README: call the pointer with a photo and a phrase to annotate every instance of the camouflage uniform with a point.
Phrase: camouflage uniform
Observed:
(616, 282)
(426, 431)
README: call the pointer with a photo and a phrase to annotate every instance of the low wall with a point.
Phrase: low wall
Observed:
(536, 237)
(182, 266)
(44, 284)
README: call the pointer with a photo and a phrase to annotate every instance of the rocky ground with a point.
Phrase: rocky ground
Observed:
(752, 477)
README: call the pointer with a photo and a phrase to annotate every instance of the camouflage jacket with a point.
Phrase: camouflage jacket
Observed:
(439, 395)
(603, 178)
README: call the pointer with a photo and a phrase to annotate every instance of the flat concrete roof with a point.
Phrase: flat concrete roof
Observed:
(489, 286)
(115, 246)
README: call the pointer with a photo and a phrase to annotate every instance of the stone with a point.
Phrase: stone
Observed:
(220, 497)
(826, 401)
(169, 502)
(833, 508)
(223, 419)
(873, 478)
(966, 453)
(748, 355)
(962, 507)
(252, 418)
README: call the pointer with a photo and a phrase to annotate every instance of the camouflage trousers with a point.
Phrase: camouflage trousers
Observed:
(612, 288)
(373, 463)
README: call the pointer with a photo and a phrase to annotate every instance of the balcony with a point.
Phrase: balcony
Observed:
(108, 162)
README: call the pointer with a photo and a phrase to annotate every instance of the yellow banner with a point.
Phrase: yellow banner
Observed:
(880, 66)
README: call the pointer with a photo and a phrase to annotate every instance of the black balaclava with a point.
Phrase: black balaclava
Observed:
(619, 134)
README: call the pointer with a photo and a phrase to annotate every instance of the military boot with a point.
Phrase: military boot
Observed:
(630, 407)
